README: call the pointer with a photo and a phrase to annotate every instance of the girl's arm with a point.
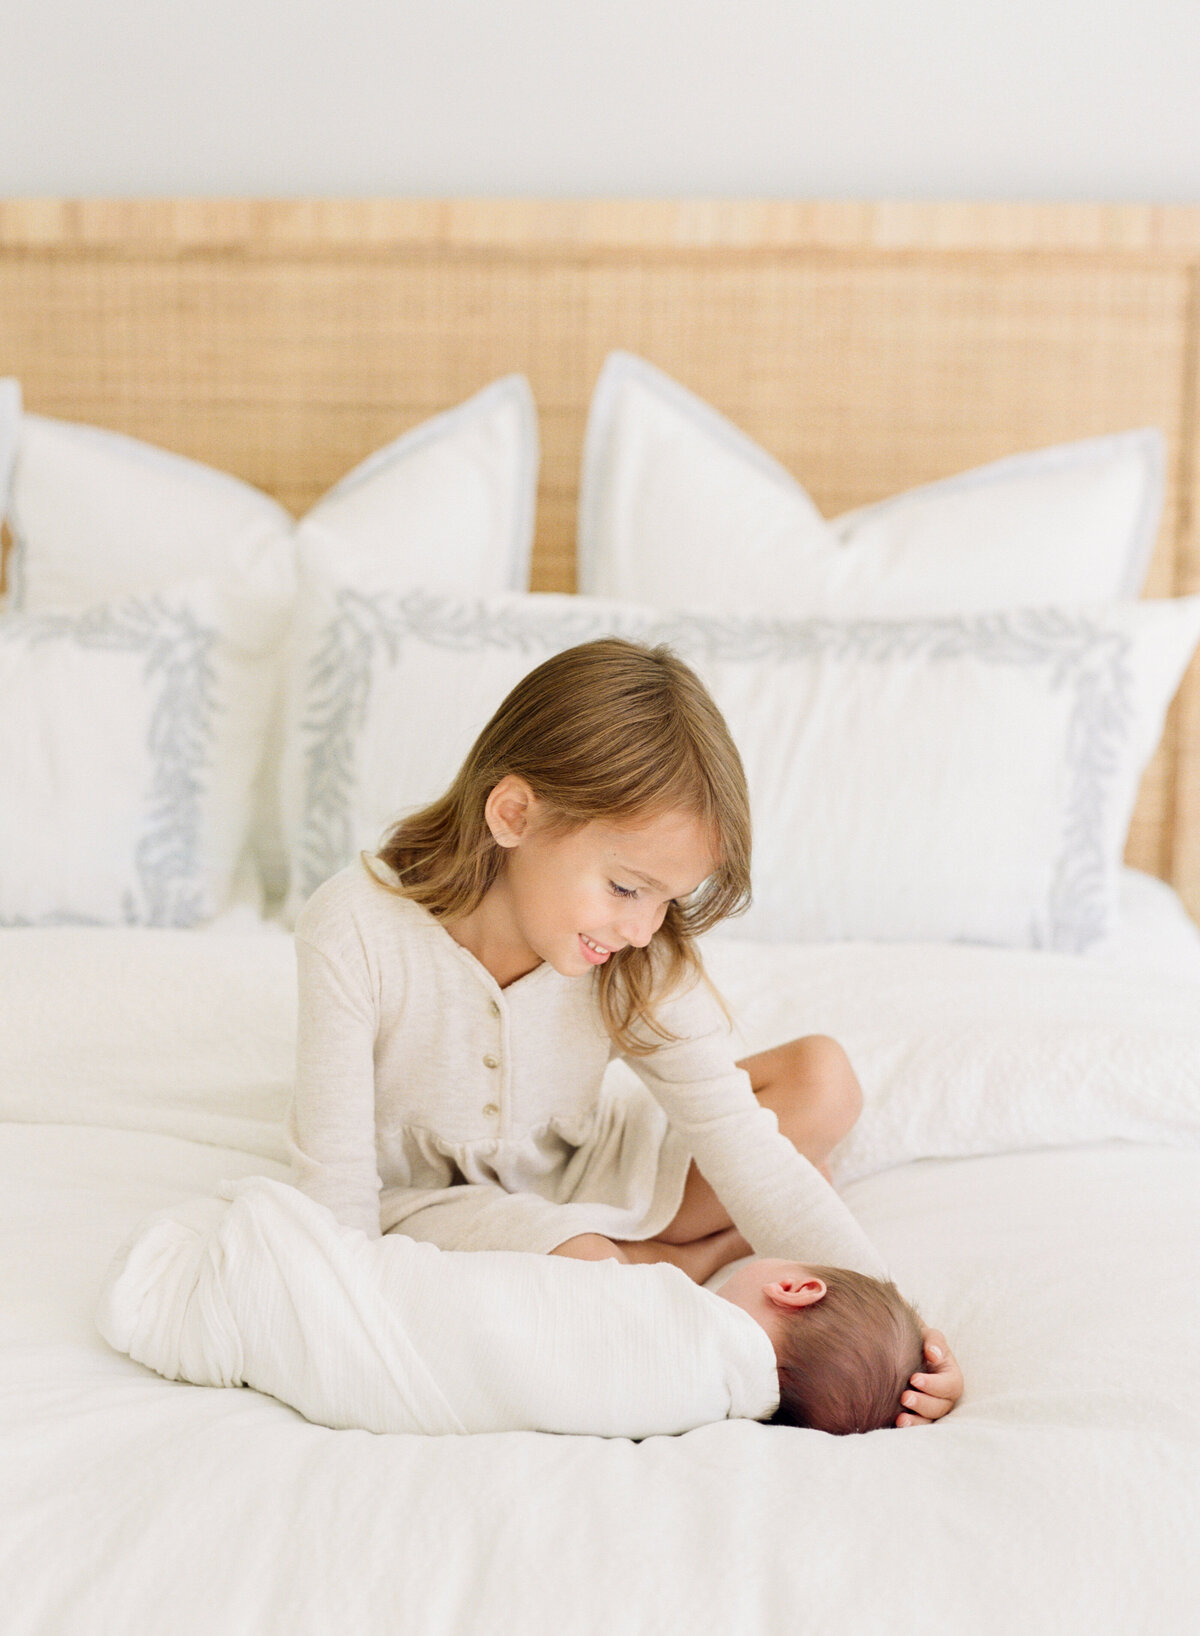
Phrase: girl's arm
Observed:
(331, 1128)
(777, 1199)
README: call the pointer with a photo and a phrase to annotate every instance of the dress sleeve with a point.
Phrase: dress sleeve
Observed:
(779, 1201)
(331, 1126)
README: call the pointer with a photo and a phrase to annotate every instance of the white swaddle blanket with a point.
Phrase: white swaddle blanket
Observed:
(263, 1287)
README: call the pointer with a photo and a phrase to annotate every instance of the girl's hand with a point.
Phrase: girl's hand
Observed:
(933, 1392)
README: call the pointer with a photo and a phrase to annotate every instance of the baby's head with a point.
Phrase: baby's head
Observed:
(845, 1344)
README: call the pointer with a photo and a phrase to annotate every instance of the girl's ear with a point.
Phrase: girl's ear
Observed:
(509, 809)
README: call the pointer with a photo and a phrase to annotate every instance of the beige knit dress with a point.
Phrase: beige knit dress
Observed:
(432, 1101)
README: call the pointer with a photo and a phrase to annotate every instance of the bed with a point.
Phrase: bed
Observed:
(1027, 1159)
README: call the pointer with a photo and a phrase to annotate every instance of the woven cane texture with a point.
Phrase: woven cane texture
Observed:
(869, 347)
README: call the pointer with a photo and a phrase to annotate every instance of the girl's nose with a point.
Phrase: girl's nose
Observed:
(640, 924)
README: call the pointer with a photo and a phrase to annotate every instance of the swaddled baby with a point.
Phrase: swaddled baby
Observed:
(263, 1287)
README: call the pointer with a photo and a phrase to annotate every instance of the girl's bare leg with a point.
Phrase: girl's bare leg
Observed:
(699, 1259)
(814, 1093)
(811, 1088)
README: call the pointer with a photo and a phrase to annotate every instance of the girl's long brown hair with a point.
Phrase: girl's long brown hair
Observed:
(608, 730)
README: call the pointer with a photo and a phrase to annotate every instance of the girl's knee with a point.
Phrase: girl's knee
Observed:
(826, 1079)
(589, 1247)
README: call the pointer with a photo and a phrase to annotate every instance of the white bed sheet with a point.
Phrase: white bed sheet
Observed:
(1062, 1495)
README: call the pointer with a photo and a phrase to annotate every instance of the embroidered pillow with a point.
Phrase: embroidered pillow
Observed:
(950, 779)
(130, 734)
(95, 515)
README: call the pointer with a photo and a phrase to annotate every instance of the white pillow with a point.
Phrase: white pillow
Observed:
(449, 503)
(938, 780)
(130, 734)
(678, 507)
(10, 421)
(462, 490)
(96, 515)
(976, 1050)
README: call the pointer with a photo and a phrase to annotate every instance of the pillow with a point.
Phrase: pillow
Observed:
(677, 505)
(936, 780)
(449, 503)
(464, 487)
(130, 734)
(976, 1050)
(10, 420)
(95, 515)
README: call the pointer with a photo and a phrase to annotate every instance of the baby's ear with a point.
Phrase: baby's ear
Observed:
(793, 1293)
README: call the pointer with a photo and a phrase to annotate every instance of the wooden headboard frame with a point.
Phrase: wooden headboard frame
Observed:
(870, 347)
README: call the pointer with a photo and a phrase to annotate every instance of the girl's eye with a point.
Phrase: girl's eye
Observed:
(623, 891)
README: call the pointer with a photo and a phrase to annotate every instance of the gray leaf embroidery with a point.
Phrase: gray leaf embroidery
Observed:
(178, 669)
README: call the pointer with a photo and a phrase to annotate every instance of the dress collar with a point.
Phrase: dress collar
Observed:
(375, 865)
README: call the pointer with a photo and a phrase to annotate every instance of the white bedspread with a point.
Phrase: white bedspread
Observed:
(960, 1049)
(1062, 1495)
(262, 1287)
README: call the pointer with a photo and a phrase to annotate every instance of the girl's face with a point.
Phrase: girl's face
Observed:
(576, 899)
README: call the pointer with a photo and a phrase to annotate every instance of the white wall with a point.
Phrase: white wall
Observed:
(851, 98)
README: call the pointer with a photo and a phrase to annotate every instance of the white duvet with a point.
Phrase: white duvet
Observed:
(1026, 1163)
(961, 1049)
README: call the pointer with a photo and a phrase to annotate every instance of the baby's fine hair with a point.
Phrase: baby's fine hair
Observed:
(609, 730)
(845, 1359)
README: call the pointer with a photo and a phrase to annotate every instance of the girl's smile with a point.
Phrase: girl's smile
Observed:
(574, 899)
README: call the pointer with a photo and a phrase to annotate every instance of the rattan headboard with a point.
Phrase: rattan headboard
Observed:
(869, 347)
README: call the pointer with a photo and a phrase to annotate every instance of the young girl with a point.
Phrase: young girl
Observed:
(462, 992)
